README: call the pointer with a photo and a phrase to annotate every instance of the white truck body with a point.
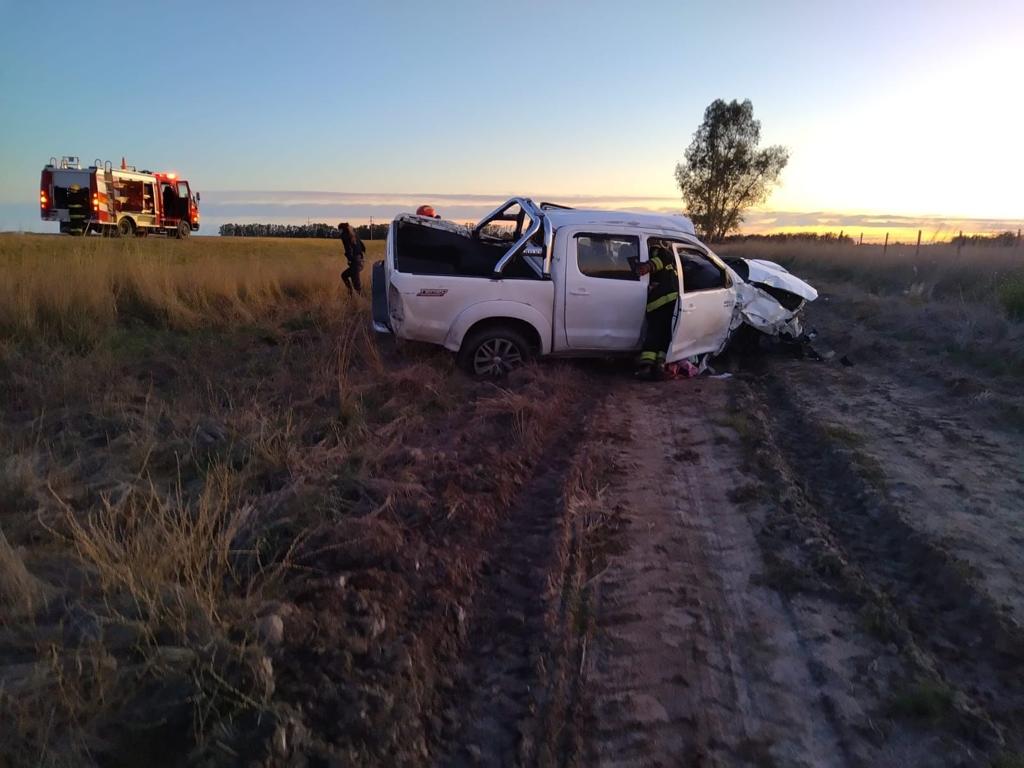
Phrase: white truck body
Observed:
(561, 280)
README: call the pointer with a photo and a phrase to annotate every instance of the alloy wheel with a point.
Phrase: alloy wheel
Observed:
(496, 357)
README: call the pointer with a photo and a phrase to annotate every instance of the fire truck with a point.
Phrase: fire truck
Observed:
(116, 201)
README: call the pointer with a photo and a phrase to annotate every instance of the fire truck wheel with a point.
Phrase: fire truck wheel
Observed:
(184, 230)
(126, 227)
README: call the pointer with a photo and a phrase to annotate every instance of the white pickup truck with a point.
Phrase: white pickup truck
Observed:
(544, 279)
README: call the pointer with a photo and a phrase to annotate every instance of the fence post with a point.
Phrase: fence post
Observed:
(885, 248)
(1018, 237)
(861, 238)
(917, 251)
(959, 242)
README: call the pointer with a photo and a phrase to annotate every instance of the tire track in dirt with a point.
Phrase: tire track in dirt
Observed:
(760, 604)
(693, 662)
(967, 641)
(491, 715)
(956, 474)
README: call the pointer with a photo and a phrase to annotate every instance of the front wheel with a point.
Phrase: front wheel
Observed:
(184, 230)
(126, 227)
(494, 352)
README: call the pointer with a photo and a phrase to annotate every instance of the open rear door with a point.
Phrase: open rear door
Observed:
(705, 307)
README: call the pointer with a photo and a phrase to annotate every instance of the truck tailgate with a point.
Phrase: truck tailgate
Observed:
(379, 295)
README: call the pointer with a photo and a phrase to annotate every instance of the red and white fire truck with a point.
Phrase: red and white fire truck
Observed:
(116, 201)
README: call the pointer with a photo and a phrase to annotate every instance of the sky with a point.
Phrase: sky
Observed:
(900, 112)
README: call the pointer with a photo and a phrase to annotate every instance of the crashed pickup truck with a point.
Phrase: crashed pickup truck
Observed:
(536, 280)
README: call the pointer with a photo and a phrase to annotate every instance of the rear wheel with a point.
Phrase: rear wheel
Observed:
(184, 230)
(126, 227)
(494, 352)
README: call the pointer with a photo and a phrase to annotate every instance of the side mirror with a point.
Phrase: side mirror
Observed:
(198, 198)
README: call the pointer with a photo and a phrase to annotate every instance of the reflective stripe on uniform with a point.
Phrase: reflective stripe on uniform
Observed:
(661, 301)
(648, 357)
(656, 263)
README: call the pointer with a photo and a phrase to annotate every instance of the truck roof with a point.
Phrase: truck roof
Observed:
(565, 217)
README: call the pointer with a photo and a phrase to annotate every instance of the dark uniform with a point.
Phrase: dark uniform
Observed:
(662, 295)
(354, 254)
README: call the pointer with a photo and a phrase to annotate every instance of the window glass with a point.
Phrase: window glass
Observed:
(608, 256)
(700, 273)
(182, 189)
(129, 195)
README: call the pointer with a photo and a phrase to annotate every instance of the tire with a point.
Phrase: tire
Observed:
(184, 230)
(492, 353)
(126, 227)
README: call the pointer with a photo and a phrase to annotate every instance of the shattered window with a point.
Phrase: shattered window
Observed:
(608, 256)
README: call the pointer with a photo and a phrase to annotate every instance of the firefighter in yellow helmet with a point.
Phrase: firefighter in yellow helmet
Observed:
(662, 297)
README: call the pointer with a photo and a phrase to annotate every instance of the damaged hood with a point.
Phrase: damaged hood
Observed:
(775, 275)
(769, 298)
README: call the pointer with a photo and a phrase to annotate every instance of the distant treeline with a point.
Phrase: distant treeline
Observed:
(318, 229)
(795, 237)
(1008, 239)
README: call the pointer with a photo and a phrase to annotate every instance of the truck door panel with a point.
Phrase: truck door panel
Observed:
(604, 297)
(705, 308)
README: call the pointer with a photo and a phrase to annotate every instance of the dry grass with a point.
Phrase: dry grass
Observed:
(940, 272)
(72, 290)
(164, 407)
(196, 436)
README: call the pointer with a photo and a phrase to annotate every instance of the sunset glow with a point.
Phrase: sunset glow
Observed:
(918, 128)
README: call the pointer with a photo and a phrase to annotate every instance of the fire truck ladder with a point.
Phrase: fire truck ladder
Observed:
(108, 178)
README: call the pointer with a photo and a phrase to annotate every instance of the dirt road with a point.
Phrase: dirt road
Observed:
(806, 564)
(693, 662)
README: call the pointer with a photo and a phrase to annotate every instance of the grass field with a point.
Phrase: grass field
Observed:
(969, 302)
(76, 290)
(201, 442)
(196, 440)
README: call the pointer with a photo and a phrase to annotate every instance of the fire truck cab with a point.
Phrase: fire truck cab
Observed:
(116, 201)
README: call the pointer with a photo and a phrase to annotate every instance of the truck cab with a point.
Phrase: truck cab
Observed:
(532, 280)
(179, 209)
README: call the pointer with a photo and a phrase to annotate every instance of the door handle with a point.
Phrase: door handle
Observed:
(688, 307)
(579, 292)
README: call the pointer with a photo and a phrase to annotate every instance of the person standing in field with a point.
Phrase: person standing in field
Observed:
(354, 251)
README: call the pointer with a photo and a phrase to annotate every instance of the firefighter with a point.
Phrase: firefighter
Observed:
(662, 296)
(354, 250)
(428, 211)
